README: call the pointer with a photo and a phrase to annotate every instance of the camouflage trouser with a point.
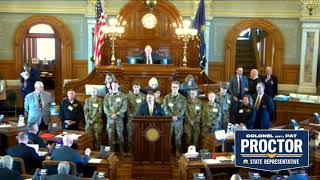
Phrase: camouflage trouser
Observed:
(115, 129)
(205, 131)
(192, 134)
(225, 116)
(130, 131)
(96, 132)
(176, 132)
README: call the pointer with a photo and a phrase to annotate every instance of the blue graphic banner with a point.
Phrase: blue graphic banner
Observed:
(272, 150)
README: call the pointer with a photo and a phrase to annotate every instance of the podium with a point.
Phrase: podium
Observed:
(152, 138)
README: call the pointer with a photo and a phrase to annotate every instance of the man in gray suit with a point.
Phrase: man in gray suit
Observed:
(237, 88)
(37, 106)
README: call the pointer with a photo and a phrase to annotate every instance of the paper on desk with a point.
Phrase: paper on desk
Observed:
(42, 153)
(59, 135)
(73, 136)
(223, 158)
(211, 161)
(313, 124)
(5, 125)
(94, 160)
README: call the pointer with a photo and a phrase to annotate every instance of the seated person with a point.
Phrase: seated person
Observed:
(150, 108)
(63, 172)
(246, 113)
(6, 171)
(149, 57)
(71, 112)
(186, 87)
(153, 86)
(107, 81)
(31, 159)
(66, 153)
(32, 133)
(3, 90)
(158, 97)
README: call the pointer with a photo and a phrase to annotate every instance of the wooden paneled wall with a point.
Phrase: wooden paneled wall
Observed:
(290, 73)
(7, 69)
(79, 69)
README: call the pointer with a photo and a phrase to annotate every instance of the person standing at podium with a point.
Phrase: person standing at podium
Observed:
(135, 99)
(150, 107)
(115, 105)
(175, 105)
(148, 54)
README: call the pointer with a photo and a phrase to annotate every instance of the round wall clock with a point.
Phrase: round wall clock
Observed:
(149, 21)
(152, 134)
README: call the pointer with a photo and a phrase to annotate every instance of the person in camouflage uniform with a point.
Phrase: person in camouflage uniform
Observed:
(135, 99)
(175, 105)
(93, 116)
(211, 116)
(115, 105)
(224, 100)
(192, 122)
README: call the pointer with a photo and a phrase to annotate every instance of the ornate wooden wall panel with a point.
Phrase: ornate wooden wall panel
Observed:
(216, 71)
(7, 69)
(79, 69)
(291, 74)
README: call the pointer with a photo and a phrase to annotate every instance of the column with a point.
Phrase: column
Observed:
(309, 57)
(91, 22)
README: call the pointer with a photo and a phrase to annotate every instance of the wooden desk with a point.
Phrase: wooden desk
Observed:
(8, 134)
(187, 167)
(294, 109)
(109, 165)
(84, 141)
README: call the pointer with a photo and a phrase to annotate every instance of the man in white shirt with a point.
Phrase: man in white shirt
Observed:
(148, 54)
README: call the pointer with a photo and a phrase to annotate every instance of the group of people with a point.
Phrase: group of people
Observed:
(242, 101)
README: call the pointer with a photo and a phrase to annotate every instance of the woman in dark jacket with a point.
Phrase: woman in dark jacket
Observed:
(246, 113)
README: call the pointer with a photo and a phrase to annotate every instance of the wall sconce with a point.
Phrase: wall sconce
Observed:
(113, 31)
(310, 5)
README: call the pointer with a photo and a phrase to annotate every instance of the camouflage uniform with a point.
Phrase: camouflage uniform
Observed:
(175, 106)
(225, 102)
(211, 118)
(192, 121)
(134, 102)
(115, 103)
(93, 111)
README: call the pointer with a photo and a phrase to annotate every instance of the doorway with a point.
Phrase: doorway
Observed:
(55, 65)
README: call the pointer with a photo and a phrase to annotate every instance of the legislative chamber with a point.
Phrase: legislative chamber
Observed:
(157, 89)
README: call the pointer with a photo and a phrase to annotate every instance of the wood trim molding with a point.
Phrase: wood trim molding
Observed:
(63, 35)
(230, 45)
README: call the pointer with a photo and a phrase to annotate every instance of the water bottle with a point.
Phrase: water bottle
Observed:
(229, 129)
(21, 120)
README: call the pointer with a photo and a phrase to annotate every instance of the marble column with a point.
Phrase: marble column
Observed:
(91, 25)
(309, 56)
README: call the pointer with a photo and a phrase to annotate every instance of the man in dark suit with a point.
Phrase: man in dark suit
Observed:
(6, 171)
(264, 108)
(66, 153)
(271, 83)
(149, 57)
(71, 111)
(33, 130)
(150, 107)
(63, 172)
(237, 88)
(31, 159)
(28, 78)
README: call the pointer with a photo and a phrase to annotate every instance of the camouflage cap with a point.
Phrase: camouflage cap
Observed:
(224, 85)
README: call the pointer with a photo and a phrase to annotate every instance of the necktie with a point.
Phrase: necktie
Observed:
(148, 60)
(39, 101)
(150, 109)
(258, 102)
(240, 87)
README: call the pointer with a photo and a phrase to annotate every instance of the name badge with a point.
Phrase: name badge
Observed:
(215, 110)
(138, 101)
(95, 105)
(70, 108)
(197, 108)
(118, 99)
(240, 110)
(170, 104)
(228, 101)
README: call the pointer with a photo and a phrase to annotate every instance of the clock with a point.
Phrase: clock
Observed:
(149, 21)
(152, 134)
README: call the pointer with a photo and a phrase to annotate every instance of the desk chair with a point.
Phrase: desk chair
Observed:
(52, 167)
(18, 165)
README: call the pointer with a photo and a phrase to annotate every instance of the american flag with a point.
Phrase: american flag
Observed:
(98, 34)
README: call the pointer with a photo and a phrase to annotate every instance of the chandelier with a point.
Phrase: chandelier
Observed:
(185, 34)
(310, 5)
